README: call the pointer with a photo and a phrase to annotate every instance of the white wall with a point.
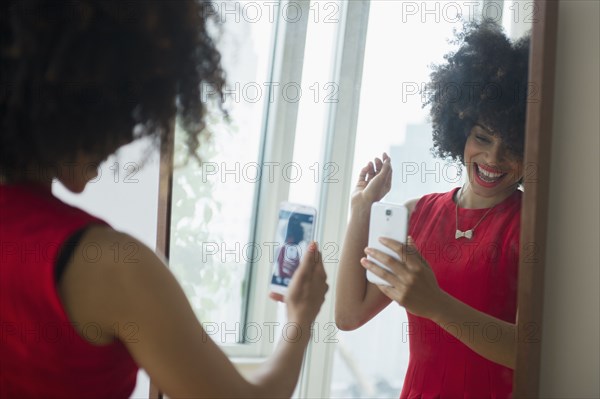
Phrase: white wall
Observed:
(571, 326)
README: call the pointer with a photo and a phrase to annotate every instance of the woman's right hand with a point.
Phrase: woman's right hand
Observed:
(374, 182)
(306, 292)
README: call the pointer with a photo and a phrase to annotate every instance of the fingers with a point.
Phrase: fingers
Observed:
(412, 254)
(387, 163)
(379, 271)
(366, 174)
(311, 264)
(408, 253)
(394, 245)
(378, 164)
(371, 173)
(386, 167)
(310, 260)
(388, 291)
(310, 274)
(385, 158)
(396, 266)
(276, 297)
(373, 168)
(317, 259)
(362, 176)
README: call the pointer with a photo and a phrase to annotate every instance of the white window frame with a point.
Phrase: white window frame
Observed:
(340, 142)
(279, 129)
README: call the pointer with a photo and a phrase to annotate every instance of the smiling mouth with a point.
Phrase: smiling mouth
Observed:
(488, 175)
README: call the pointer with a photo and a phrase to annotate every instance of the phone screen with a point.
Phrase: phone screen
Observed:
(295, 230)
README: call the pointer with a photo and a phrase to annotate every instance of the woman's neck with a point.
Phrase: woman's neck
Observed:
(467, 198)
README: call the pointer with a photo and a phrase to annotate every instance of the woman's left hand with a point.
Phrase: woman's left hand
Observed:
(413, 284)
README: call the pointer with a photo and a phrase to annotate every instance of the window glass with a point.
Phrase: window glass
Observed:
(319, 92)
(213, 204)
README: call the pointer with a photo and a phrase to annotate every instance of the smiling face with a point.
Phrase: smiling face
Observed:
(494, 171)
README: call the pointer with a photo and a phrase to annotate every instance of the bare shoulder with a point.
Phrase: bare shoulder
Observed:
(104, 237)
(410, 205)
(107, 273)
(125, 284)
(114, 257)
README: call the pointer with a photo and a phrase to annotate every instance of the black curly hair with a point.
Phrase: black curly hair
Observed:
(485, 82)
(88, 76)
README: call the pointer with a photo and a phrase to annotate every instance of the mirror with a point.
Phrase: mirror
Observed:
(390, 114)
(543, 16)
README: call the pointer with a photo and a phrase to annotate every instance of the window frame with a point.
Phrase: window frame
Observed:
(342, 124)
(277, 146)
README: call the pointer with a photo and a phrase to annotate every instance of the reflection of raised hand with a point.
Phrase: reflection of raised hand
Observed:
(374, 182)
(357, 301)
(307, 289)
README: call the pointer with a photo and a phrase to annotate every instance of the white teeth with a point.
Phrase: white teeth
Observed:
(488, 175)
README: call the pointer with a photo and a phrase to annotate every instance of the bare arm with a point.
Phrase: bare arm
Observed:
(170, 342)
(357, 301)
(414, 286)
(490, 337)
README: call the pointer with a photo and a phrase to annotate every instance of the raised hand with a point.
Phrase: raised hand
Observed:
(374, 182)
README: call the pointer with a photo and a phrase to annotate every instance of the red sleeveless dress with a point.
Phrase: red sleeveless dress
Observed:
(481, 272)
(41, 354)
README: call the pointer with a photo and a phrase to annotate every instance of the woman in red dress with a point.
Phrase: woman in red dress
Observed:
(457, 274)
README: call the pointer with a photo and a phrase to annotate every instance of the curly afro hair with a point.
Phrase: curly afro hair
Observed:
(485, 82)
(89, 76)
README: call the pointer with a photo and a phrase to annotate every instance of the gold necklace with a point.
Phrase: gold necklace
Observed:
(468, 234)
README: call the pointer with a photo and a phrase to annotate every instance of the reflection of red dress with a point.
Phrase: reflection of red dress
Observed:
(481, 272)
(288, 260)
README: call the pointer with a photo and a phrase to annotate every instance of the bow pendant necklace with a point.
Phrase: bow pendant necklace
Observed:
(468, 234)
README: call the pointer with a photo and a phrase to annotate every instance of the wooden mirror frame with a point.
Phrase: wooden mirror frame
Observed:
(534, 209)
(538, 135)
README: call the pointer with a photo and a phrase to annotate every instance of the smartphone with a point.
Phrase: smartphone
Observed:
(387, 220)
(295, 230)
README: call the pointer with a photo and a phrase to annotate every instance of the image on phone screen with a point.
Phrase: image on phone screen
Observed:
(295, 228)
